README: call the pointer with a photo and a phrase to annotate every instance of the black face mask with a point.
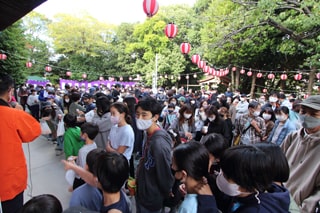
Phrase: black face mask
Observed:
(170, 111)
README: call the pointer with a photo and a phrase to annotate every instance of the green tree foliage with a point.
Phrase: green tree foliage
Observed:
(12, 43)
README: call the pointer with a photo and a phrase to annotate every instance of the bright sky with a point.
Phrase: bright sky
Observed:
(110, 11)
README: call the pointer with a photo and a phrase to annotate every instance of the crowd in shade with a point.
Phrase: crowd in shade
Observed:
(131, 149)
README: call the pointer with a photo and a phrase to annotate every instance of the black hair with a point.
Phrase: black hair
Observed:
(175, 136)
(253, 104)
(192, 157)
(122, 108)
(186, 108)
(247, 166)
(91, 129)
(268, 110)
(42, 203)
(75, 96)
(70, 120)
(6, 83)
(112, 171)
(131, 102)
(283, 109)
(92, 158)
(280, 166)
(103, 105)
(215, 143)
(150, 104)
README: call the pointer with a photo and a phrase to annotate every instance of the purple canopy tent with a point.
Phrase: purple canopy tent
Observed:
(88, 84)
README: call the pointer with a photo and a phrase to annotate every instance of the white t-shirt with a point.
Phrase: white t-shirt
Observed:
(122, 136)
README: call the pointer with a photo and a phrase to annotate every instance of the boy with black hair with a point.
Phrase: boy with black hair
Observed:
(86, 195)
(72, 141)
(154, 176)
(88, 132)
(112, 171)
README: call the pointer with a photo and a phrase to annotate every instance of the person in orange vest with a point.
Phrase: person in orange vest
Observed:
(16, 127)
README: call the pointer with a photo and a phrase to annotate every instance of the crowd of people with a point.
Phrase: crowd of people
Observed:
(197, 151)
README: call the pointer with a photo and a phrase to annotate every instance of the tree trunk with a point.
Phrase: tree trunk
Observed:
(311, 80)
(253, 85)
(237, 79)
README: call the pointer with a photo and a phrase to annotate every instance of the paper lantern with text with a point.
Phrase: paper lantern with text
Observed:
(297, 77)
(201, 64)
(195, 58)
(3, 56)
(171, 30)
(271, 76)
(318, 75)
(185, 48)
(84, 75)
(68, 73)
(259, 75)
(242, 71)
(150, 7)
(48, 68)
(283, 77)
(28, 64)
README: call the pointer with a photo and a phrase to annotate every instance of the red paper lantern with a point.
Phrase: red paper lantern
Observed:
(234, 69)
(264, 90)
(226, 71)
(306, 96)
(259, 75)
(206, 69)
(150, 7)
(271, 76)
(28, 64)
(249, 73)
(185, 48)
(201, 64)
(171, 30)
(3, 56)
(195, 58)
(84, 75)
(242, 71)
(68, 73)
(214, 72)
(318, 75)
(210, 71)
(297, 77)
(283, 77)
(48, 69)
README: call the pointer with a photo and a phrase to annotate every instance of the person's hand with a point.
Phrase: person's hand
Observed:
(18, 106)
(188, 135)
(46, 118)
(68, 164)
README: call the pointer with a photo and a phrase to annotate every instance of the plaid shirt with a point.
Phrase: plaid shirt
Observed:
(251, 136)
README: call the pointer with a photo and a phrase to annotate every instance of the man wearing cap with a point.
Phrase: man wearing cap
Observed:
(302, 150)
(88, 102)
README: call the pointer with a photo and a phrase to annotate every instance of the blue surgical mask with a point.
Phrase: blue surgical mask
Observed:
(309, 122)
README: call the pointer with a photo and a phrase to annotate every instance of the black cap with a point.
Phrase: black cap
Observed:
(87, 95)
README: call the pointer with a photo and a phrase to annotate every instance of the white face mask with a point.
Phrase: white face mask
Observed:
(280, 117)
(212, 118)
(273, 99)
(115, 119)
(231, 189)
(242, 99)
(66, 100)
(192, 102)
(256, 113)
(187, 116)
(266, 116)
(144, 124)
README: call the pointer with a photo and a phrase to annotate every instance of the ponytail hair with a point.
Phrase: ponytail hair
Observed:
(122, 108)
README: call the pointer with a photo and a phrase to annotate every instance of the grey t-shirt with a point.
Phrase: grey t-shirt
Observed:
(122, 136)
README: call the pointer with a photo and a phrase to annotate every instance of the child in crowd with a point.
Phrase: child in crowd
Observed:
(72, 141)
(190, 164)
(247, 175)
(121, 137)
(86, 195)
(112, 171)
(42, 203)
(88, 132)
